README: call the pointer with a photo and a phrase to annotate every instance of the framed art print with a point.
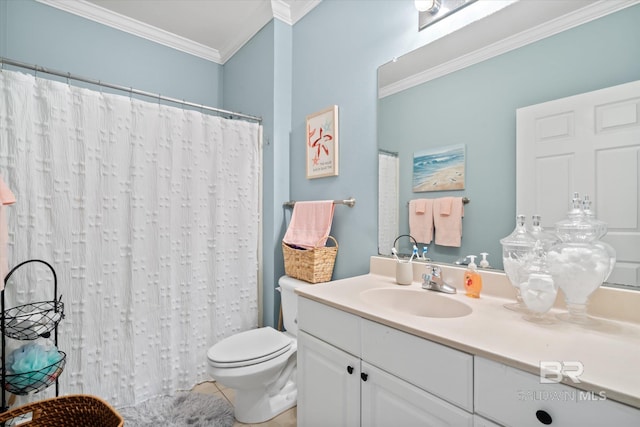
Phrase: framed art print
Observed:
(439, 169)
(322, 143)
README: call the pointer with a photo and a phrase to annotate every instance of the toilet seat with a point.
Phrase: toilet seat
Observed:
(249, 348)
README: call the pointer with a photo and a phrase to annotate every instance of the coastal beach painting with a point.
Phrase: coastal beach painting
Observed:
(439, 169)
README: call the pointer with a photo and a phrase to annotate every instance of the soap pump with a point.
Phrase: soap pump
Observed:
(472, 279)
(483, 262)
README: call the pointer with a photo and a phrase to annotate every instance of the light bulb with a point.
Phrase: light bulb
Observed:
(423, 5)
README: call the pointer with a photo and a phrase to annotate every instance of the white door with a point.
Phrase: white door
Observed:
(328, 385)
(588, 143)
(390, 401)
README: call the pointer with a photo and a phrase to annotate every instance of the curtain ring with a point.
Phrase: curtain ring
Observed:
(130, 92)
(68, 77)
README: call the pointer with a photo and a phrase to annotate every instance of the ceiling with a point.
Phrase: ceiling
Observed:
(211, 29)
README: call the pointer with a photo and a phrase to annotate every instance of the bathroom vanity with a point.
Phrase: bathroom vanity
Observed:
(374, 353)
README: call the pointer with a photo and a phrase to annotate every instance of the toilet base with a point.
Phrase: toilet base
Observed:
(256, 406)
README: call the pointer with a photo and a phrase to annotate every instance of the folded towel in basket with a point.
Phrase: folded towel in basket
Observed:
(310, 224)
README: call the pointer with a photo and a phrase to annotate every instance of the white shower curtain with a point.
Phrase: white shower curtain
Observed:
(149, 215)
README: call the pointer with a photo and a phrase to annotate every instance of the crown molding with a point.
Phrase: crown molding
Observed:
(287, 11)
(539, 32)
(291, 12)
(281, 11)
(115, 20)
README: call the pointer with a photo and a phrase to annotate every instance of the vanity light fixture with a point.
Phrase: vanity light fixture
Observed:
(431, 6)
(431, 11)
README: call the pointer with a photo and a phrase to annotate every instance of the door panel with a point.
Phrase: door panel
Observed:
(588, 143)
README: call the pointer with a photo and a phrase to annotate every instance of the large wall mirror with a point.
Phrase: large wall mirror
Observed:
(465, 89)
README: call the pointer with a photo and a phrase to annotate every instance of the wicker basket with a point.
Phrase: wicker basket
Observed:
(314, 265)
(79, 410)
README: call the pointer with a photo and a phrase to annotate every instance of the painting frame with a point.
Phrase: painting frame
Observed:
(439, 169)
(322, 147)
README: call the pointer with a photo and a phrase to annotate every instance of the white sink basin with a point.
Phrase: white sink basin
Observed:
(416, 302)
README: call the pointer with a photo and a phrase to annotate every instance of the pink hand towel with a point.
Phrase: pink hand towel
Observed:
(448, 225)
(6, 195)
(445, 205)
(6, 198)
(421, 220)
(310, 224)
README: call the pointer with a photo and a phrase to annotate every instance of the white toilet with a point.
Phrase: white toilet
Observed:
(260, 364)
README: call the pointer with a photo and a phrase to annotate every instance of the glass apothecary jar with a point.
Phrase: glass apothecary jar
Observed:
(580, 263)
(517, 252)
(538, 288)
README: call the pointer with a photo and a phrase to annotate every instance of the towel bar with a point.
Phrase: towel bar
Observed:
(465, 200)
(349, 202)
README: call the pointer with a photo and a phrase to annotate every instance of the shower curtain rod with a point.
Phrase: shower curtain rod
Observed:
(39, 69)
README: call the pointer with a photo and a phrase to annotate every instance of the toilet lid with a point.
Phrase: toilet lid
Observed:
(248, 348)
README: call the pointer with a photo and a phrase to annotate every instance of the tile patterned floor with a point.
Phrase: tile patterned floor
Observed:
(286, 419)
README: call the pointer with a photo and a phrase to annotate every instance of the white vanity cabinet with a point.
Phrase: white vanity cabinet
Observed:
(355, 372)
(349, 375)
(513, 397)
(328, 384)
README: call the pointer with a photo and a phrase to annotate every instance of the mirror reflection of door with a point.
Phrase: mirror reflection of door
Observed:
(388, 200)
(588, 143)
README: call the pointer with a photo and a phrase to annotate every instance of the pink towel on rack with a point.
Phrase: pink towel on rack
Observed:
(447, 219)
(421, 220)
(310, 224)
(445, 205)
(6, 198)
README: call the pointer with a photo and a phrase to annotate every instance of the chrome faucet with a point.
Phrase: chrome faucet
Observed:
(433, 281)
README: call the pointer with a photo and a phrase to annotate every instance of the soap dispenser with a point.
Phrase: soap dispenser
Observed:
(484, 263)
(472, 279)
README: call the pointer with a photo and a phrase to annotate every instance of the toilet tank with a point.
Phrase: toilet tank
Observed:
(289, 302)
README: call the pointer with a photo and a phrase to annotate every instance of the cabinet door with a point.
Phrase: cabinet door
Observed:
(328, 385)
(390, 401)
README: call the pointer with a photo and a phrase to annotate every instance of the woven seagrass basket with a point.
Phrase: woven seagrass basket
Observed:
(314, 265)
(78, 410)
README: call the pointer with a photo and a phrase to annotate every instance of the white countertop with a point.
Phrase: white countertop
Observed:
(609, 350)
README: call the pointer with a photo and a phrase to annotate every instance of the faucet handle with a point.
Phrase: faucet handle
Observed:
(432, 272)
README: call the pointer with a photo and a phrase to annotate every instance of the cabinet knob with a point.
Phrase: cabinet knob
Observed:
(364, 376)
(350, 369)
(543, 417)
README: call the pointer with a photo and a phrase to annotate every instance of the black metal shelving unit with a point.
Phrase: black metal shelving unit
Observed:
(29, 322)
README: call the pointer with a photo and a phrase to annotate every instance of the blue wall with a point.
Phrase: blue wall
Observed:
(257, 80)
(477, 105)
(337, 49)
